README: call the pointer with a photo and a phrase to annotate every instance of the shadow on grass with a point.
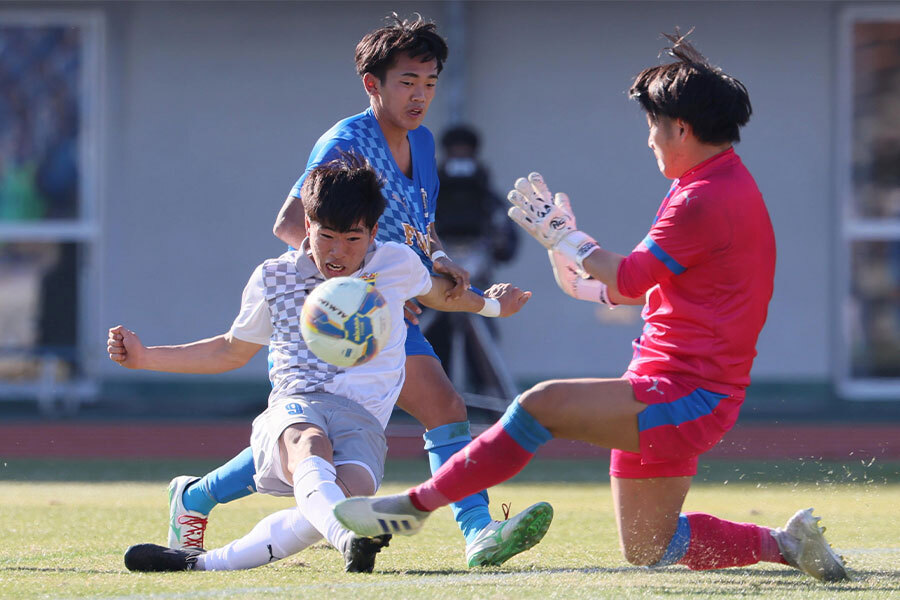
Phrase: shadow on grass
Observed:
(411, 471)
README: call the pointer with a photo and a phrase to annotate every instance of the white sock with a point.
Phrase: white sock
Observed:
(277, 536)
(317, 493)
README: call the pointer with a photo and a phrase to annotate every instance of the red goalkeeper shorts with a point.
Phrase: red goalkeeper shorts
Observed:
(681, 422)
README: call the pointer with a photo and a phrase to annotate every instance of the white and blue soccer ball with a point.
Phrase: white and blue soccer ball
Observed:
(345, 321)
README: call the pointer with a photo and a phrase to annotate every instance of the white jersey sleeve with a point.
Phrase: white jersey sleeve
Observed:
(419, 276)
(254, 323)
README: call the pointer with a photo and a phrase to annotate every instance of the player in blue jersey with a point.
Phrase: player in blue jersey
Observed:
(399, 65)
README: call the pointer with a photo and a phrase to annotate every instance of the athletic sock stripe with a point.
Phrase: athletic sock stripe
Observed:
(523, 428)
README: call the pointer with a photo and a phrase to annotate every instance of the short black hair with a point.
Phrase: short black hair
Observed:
(714, 104)
(341, 193)
(378, 50)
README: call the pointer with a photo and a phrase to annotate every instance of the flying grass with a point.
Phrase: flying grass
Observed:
(66, 525)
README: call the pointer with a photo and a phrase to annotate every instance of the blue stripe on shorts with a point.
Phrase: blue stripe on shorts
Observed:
(698, 403)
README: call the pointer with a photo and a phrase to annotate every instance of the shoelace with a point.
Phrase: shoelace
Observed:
(196, 526)
(506, 508)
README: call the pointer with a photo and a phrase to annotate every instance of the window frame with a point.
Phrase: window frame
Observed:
(85, 230)
(852, 228)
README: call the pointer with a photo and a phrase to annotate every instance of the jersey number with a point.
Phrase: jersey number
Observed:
(293, 409)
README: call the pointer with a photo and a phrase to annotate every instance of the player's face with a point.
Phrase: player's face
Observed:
(402, 99)
(664, 141)
(339, 253)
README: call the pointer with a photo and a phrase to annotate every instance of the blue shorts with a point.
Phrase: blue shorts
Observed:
(416, 344)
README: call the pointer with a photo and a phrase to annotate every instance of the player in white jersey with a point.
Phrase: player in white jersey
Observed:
(322, 436)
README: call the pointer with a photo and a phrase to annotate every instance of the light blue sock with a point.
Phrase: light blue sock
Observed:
(229, 482)
(471, 513)
(523, 428)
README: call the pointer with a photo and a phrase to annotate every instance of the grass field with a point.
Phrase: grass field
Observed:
(66, 524)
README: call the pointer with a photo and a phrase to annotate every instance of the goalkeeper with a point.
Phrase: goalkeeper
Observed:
(704, 275)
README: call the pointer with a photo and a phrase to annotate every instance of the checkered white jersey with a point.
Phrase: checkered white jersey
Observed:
(294, 368)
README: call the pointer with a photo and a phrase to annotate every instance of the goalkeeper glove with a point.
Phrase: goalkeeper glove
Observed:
(551, 222)
(577, 283)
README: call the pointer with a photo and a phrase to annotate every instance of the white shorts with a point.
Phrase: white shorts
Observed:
(356, 436)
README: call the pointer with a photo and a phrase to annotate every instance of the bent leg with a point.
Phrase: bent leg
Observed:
(429, 396)
(231, 481)
(602, 411)
(306, 455)
(653, 532)
(647, 515)
(275, 537)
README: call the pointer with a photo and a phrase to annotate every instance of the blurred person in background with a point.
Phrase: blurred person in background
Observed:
(473, 226)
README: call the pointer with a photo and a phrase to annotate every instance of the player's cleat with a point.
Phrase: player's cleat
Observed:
(803, 546)
(501, 540)
(359, 554)
(150, 557)
(375, 516)
(186, 527)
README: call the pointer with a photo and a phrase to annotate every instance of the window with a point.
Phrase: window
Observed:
(868, 159)
(49, 147)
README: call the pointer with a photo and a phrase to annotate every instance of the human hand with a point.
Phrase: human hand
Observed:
(411, 311)
(454, 272)
(511, 298)
(551, 222)
(575, 282)
(125, 347)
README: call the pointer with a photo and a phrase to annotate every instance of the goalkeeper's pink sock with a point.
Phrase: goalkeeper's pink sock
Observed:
(716, 544)
(493, 457)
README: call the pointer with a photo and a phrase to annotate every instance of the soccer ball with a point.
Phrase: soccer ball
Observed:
(345, 321)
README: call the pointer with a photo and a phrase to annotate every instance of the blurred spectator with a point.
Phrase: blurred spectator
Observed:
(472, 224)
(469, 212)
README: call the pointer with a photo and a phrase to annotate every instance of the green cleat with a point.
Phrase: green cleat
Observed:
(501, 540)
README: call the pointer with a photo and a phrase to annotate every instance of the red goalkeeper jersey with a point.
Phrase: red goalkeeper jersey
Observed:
(707, 268)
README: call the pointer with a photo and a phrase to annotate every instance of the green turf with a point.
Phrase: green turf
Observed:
(65, 525)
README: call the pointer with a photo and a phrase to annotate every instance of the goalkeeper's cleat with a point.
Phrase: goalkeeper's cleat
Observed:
(186, 527)
(150, 557)
(501, 540)
(376, 516)
(803, 546)
(359, 553)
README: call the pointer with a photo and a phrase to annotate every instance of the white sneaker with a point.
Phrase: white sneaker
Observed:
(803, 546)
(374, 516)
(186, 527)
(501, 540)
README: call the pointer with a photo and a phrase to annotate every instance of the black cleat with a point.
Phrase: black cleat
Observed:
(150, 557)
(359, 555)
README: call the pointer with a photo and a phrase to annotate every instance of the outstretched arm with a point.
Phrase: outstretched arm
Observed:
(573, 254)
(500, 300)
(214, 355)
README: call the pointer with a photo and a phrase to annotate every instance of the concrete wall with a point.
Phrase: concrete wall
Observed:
(211, 109)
